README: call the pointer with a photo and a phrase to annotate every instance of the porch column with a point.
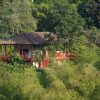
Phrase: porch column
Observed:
(31, 51)
(22, 52)
(10, 50)
(5, 49)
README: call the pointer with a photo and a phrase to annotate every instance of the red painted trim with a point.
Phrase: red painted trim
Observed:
(5, 50)
(31, 51)
(10, 50)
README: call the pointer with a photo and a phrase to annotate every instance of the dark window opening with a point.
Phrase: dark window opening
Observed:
(24, 51)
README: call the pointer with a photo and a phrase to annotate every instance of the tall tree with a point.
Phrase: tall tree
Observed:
(16, 16)
(61, 18)
(90, 10)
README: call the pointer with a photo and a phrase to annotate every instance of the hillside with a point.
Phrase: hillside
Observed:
(76, 23)
(67, 82)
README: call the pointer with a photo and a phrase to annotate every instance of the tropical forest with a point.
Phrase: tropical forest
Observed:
(70, 62)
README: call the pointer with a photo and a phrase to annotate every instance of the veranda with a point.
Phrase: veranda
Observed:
(30, 46)
(25, 45)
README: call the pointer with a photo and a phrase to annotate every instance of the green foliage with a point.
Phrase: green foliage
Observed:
(39, 9)
(54, 47)
(16, 59)
(16, 16)
(71, 80)
(95, 95)
(90, 11)
(38, 55)
(66, 81)
(94, 36)
(84, 51)
(61, 18)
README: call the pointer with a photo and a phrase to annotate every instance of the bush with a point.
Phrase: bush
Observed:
(17, 59)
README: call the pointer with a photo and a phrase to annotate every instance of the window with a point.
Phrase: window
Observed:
(24, 51)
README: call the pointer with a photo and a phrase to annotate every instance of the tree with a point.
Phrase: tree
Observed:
(39, 9)
(90, 11)
(16, 16)
(61, 18)
(4, 11)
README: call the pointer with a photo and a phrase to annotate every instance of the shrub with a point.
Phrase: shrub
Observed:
(17, 59)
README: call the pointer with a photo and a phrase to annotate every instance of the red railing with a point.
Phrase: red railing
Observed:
(61, 56)
(44, 62)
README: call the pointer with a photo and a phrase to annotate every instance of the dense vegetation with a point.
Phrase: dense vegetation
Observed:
(77, 22)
